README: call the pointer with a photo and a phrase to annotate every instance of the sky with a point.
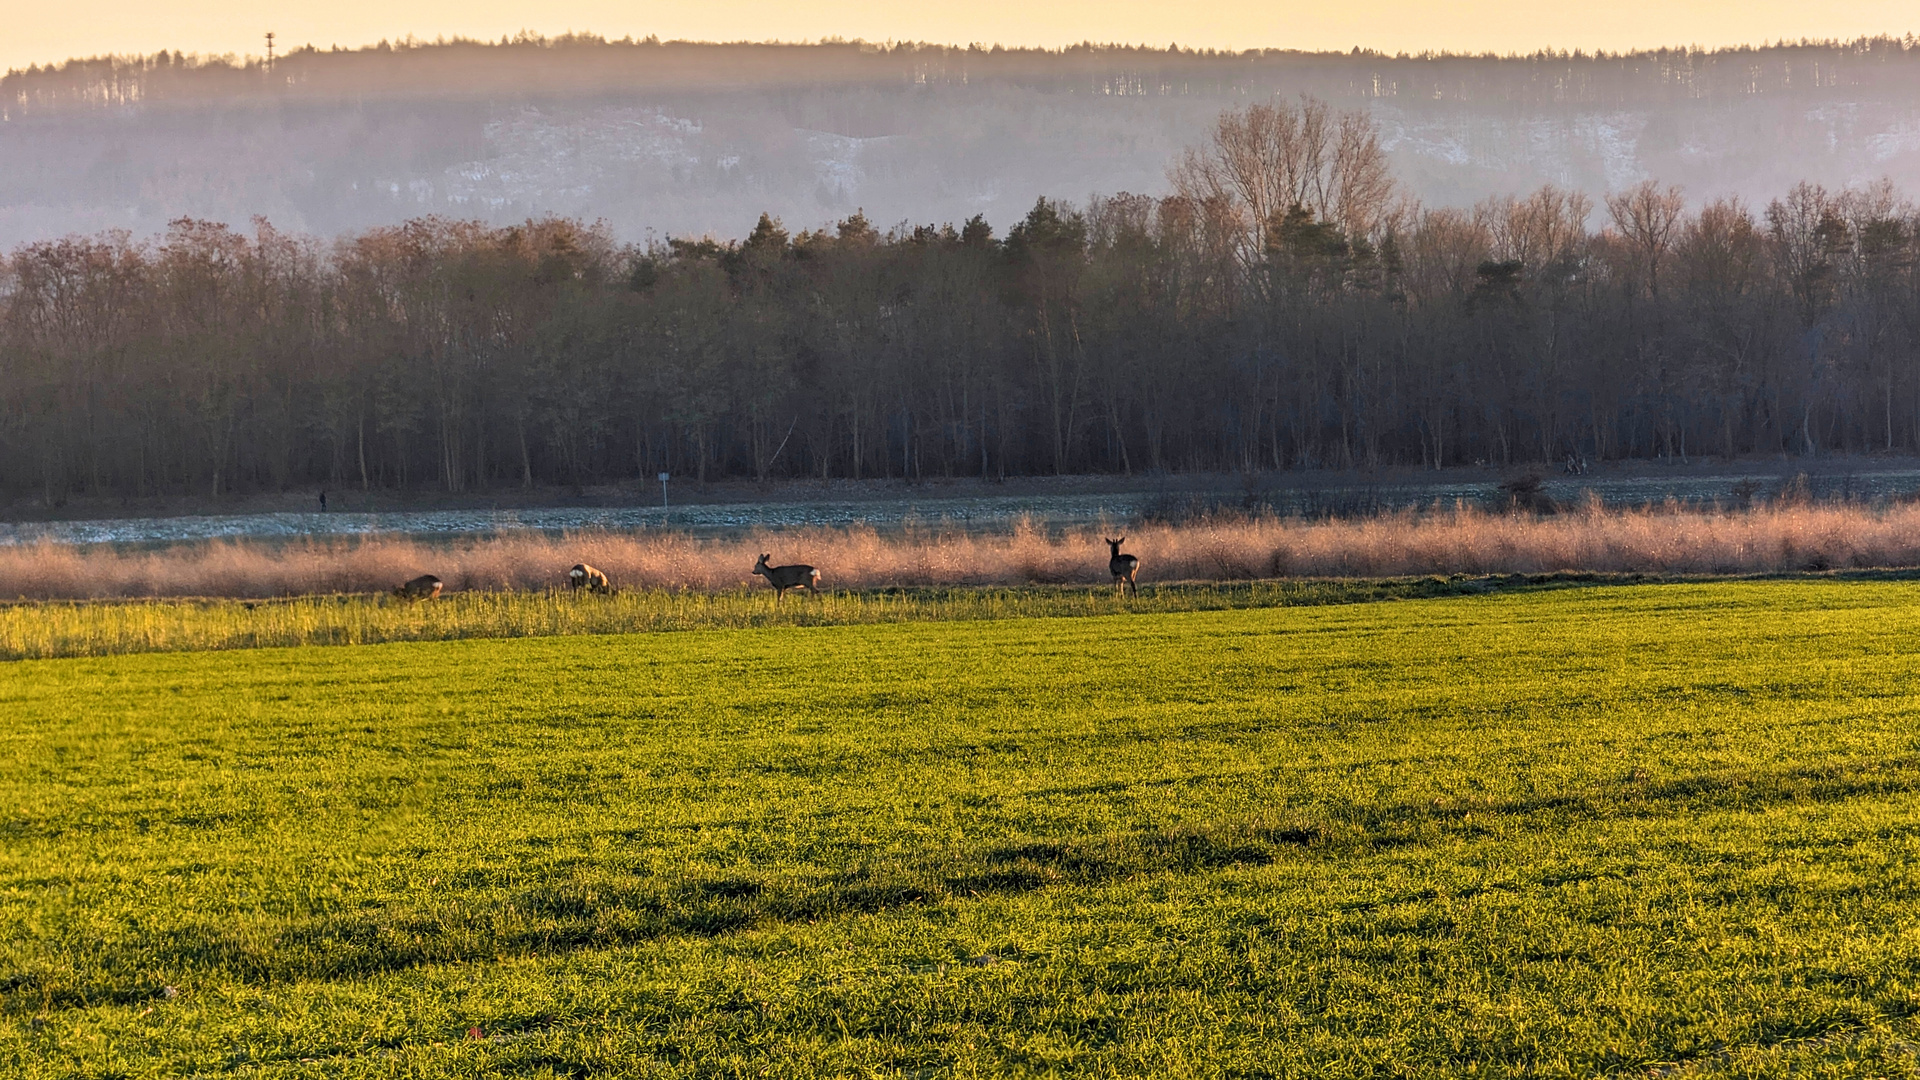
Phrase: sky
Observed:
(42, 31)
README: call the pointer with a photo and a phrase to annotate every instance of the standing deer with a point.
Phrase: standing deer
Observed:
(782, 578)
(1123, 567)
(586, 577)
(424, 587)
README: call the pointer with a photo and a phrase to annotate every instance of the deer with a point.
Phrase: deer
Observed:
(1123, 567)
(586, 577)
(782, 578)
(424, 587)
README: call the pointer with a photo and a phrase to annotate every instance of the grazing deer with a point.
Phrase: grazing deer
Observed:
(586, 577)
(424, 587)
(1123, 567)
(782, 578)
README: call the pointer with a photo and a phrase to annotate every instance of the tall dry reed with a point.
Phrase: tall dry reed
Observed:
(1659, 540)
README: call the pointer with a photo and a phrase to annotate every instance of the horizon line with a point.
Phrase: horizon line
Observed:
(528, 39)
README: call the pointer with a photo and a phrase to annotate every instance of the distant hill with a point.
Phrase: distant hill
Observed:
(683, 138)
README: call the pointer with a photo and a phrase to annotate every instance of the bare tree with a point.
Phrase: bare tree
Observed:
(1649, 219)
(1271, 158)
(1540, 232)
(1810, 236)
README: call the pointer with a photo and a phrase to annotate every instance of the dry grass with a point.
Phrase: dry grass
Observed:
(46, 629)
(1656, 541)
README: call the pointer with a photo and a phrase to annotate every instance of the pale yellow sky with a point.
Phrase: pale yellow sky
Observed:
(38, 31)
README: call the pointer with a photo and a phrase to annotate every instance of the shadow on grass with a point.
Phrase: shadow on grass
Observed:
(599, 908)
(595, 906)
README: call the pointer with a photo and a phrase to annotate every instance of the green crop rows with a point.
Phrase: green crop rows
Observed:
(1668, 830)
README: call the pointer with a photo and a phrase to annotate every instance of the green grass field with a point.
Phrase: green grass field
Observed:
(1668, 830)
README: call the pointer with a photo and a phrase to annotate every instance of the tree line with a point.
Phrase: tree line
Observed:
(1283, 308)
(541, 67)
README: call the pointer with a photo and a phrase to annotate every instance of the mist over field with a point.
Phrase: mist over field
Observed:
(687, 139)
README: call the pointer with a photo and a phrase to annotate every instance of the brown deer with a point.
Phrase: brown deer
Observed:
(586, 577)
(424, 587)
(782, 578)
(1123, 567)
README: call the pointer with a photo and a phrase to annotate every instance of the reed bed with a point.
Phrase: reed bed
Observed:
(1657, 540)
(94, 601)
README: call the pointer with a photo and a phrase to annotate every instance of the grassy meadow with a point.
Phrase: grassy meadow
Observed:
(1667, 830)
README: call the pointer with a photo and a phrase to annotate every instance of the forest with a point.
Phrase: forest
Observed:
(529, 64)
(1286, 306)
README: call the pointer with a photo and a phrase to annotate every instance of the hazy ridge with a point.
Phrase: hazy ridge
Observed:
(682, 138)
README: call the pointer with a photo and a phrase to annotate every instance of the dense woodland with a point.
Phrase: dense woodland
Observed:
(1285, 308)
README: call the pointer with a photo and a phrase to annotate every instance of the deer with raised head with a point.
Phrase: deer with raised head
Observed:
(586, 577)
(1123, 567)
(782, 578)
(424, 587)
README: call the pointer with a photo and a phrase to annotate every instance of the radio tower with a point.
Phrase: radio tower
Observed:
(269, 52)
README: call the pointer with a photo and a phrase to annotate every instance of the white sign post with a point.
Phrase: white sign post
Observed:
(663, 490)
